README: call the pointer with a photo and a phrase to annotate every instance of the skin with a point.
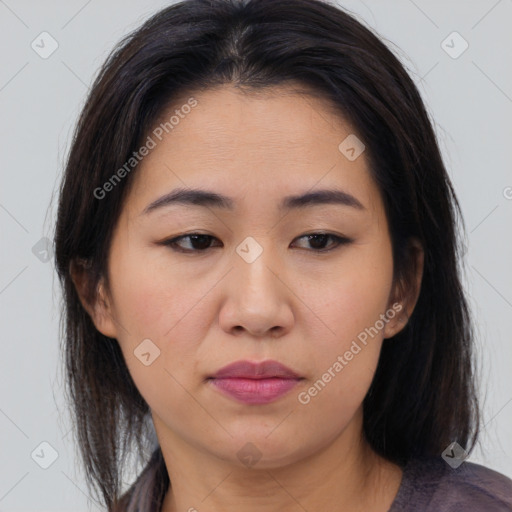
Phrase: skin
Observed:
(293, 304)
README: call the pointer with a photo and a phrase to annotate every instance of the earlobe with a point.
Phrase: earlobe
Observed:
(406, 291)
(398, 319)
(94, 301)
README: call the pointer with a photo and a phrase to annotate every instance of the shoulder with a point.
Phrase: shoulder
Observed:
(430, 484)
(475, 486)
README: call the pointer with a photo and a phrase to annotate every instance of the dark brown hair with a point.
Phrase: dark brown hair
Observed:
(423, 393)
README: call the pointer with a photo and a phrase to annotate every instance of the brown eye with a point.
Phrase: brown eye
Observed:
(318, 241)
(198, 242)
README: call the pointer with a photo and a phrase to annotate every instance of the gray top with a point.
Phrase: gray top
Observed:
(428, 485)
(431, 485)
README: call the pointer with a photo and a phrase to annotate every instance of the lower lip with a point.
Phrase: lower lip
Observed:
(254, 391)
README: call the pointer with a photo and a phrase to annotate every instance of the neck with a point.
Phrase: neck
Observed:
(344, 475)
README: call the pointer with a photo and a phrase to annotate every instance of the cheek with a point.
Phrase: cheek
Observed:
(353, 297)
(350, 304)
(167, 307)
(151, 299)
(151, 306)
(344, 362)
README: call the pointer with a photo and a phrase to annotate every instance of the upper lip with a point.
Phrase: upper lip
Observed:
(259, 370)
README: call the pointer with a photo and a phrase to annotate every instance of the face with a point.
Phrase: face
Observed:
(254, 285)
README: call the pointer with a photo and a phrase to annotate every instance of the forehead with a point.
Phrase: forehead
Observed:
(265, 142)
(265, 121)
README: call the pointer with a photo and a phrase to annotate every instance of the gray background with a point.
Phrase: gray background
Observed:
(470, 98)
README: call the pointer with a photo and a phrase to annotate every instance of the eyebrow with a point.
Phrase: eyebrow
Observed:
(206, 198)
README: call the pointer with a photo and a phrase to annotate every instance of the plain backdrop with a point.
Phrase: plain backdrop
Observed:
(468, 93)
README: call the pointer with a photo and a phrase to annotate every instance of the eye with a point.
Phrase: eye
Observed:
(318, 241)
(199, 242)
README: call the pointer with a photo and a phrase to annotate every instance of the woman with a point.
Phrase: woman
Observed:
(314, 352)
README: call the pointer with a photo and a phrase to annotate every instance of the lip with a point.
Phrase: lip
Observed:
(255, 383)
(259, 370)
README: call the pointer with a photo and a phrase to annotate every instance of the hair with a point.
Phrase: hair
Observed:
(423, 394)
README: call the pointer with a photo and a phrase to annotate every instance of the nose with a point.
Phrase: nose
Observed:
(258, 300)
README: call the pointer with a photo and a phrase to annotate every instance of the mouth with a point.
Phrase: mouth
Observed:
(255, 383)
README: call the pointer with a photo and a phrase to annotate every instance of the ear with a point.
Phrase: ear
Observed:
(95, 301)
(406, 290)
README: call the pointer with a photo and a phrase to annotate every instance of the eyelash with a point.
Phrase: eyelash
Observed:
(172, 243)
